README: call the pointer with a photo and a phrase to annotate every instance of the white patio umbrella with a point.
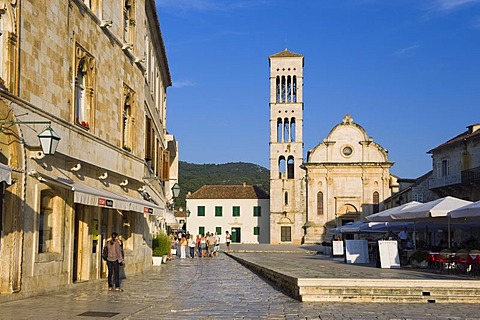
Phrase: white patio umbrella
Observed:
(434, 209)
(385, 215)
(471, 210)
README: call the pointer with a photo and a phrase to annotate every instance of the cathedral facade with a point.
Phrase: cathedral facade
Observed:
(343, 179)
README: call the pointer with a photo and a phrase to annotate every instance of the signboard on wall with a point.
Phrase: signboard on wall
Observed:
(356, 251)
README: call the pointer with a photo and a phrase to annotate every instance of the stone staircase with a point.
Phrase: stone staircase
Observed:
(399, 291)
(370, 290)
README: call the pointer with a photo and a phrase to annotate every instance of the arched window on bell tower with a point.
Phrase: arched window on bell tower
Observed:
(279, 129)
(294, 85)
(286, 198)
(282, 167)
(289, 89)
(292, 130)
(284, 89)
(286, 130)
(290, 168)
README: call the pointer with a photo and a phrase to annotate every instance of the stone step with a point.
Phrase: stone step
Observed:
(370, 290)
(389, 290)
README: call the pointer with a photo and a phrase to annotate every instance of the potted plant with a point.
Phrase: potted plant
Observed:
(160, 248)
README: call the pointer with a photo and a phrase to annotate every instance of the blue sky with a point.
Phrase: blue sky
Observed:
(408, 71)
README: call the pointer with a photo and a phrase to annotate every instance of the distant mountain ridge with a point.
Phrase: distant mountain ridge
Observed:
(193, 176)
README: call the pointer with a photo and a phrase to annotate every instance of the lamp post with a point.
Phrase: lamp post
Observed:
(186, 219)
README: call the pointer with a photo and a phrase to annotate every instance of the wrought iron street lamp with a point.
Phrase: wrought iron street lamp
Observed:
(176, 190)
(49, 139)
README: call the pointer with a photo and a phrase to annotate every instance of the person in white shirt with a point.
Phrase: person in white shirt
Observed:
(228, 239)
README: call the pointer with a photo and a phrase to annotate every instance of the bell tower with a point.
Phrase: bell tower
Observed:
(287, 179)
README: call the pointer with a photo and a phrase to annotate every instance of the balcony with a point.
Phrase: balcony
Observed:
(471, 175)
(465, 177)
(445, 181)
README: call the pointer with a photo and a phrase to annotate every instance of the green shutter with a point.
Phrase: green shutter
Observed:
(256, 231)
(236, 211)
(218, 230)
(201, 211)
(201, 230)
(257, 211)
(218, 211)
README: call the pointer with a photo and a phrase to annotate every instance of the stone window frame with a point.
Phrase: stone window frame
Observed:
(128, 22)
(84, 107)
(9, 47)
(128, 118)
(54, 251)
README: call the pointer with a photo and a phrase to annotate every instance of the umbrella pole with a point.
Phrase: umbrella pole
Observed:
(414, 235)
(449, 237)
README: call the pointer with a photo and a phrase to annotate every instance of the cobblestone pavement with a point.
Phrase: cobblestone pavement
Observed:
(208, 288)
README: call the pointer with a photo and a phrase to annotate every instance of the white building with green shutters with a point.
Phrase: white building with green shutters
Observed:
(242, 210)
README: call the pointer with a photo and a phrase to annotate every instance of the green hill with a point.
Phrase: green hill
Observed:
(193, 176)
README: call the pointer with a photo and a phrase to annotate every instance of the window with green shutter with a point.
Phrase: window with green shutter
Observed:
(218, 230)
(236, 211)
(201, 211)
(256, 231)
(201, 230)
(257, 211)
(218, 211)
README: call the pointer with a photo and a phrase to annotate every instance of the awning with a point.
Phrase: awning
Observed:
(5, 173)
(91, 196)
(144, 206)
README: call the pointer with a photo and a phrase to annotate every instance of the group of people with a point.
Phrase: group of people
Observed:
(207, 245)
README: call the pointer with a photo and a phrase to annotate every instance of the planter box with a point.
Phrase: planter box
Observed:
(157, 261)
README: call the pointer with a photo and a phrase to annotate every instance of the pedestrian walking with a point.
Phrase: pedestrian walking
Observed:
(228, 239)
(192, 244)
(203, 246)
(115, 258)
(183, 248)
(211, 244)
(216, 249)
(199, 250)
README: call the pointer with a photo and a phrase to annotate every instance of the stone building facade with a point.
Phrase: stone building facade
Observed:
(344, 178)
(348, 178)
(456, 166)
(97, 72)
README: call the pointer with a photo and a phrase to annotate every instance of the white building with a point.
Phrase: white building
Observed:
(242, 210)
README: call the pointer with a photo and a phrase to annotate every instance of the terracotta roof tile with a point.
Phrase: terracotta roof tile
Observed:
(229, 192)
